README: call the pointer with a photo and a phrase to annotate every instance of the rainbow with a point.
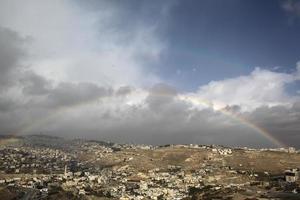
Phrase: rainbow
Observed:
(195, 100)
(236, 117)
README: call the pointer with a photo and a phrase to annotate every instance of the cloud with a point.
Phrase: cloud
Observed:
(160, 96)
(159, 121)
(298, 71)
(158, 117)
(85, 74)
(5, 105)
(292, 8)
(71, 42)
(34, 84)
(63, 94)
(281, 121)
(11, 53)
(261, 87)
(68, 94)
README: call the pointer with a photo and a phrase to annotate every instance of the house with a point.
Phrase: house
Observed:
(291, 176)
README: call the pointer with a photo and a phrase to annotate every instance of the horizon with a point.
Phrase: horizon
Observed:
(97, 140)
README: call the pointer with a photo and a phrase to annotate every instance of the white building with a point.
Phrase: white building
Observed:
(291, 176)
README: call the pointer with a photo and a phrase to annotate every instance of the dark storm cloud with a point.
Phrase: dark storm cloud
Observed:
(161, 96)
(124, 90)
(168, 119)
(161, 119)
(68, 94)
(281, 121)
(175, 122)
(11, 52)
(34, 84)
(6, 105)
(235, 109)
(64, 93)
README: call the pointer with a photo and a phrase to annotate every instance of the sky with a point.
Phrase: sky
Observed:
(154, 72)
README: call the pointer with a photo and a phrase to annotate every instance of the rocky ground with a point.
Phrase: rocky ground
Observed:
(122, 171)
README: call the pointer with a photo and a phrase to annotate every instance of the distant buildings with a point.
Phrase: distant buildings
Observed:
(184, 168)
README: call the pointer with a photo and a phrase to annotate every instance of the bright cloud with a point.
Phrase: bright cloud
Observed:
(261, 87)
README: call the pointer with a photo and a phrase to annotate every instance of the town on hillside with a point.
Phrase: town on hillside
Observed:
(45, 167)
